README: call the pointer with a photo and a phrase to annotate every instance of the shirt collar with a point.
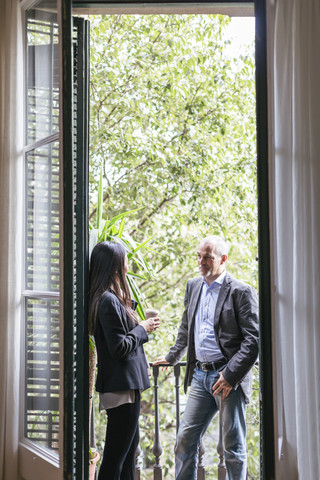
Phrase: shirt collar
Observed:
(218, 281)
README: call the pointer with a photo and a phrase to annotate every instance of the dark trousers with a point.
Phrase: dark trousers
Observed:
(122, 438)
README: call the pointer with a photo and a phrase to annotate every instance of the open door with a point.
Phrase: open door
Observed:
(54, 418)
(74, 161)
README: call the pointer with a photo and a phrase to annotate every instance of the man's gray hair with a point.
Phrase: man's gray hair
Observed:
(220, 245)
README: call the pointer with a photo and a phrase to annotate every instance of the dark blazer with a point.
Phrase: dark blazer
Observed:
(236, 329)
(122, 362)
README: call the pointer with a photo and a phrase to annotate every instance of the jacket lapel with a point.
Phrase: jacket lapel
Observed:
(194, 297)
(225, 287)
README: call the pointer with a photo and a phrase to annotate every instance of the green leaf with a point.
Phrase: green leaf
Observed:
(121, 228)
(113, 220)
(137, 297)
(141, 245)
(131, 274)
(100, 200)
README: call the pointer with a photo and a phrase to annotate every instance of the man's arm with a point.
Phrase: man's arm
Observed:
(244, 358)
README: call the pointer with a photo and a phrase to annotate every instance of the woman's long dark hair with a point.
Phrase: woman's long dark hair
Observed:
(107, 272)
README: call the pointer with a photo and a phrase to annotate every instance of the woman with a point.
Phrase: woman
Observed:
(122, 365)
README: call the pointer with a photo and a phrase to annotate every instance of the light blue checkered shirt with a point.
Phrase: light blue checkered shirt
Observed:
(207, 349)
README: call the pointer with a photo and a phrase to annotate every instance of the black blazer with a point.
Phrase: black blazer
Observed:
(236, 329)
(122, 363)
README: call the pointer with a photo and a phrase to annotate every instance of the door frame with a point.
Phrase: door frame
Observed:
(267, 454)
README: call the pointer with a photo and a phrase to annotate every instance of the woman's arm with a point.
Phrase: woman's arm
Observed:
(120, 341)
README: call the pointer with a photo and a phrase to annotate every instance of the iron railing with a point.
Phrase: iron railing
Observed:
(157, 447)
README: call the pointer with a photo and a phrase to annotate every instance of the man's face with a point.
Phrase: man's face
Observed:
(211, 265)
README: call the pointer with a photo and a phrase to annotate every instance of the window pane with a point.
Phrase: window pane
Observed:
(42, 190)
(42, 269)
(42, 372)
(42, 75)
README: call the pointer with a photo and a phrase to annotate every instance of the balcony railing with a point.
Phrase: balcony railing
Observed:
(157, 448)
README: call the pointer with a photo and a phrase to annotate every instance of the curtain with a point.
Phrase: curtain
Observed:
(11, 117)
(294, 44)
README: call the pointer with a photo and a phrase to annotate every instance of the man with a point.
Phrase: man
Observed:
(219, 331)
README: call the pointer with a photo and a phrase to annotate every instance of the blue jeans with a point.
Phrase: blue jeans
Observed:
(201, 407)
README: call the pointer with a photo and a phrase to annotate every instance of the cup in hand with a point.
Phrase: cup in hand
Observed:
(150, 313)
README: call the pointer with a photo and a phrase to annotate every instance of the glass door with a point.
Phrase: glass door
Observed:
(55, 412)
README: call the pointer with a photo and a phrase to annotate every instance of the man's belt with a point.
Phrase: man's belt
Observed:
(206, 366)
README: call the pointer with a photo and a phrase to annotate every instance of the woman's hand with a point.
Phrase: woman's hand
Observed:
(151, 324)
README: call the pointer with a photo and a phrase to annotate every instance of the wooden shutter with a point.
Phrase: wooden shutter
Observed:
(75, 57)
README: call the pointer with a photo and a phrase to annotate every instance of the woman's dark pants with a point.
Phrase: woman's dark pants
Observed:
(122, 438)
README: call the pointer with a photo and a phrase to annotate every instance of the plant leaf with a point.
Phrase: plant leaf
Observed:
(100, 200)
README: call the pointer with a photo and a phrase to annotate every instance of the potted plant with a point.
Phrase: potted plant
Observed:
(114, 230)
(94, 458)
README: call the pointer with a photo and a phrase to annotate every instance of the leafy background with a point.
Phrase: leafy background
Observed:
(173, 127)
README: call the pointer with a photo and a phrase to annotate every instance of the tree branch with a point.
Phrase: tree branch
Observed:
(163, 290)
(94, 211)
(153, 212)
